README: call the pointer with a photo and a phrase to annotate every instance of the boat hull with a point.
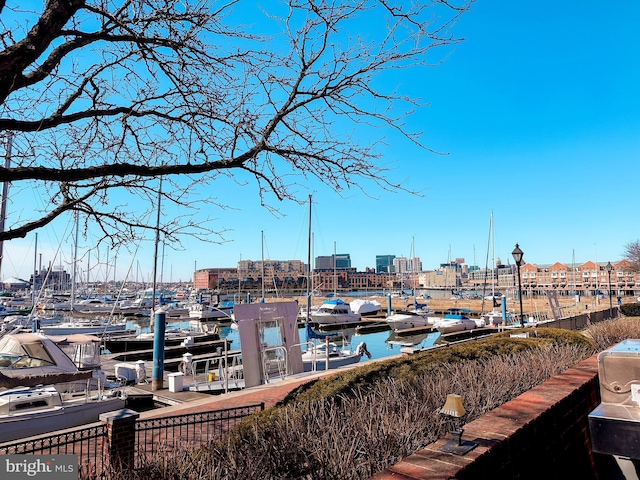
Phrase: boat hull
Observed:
(403, 321)
(82, 329)
(450, 326)
(336, 362)
(14, 427)
(335, 318)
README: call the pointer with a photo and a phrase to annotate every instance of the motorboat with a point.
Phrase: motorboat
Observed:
(28, 411)
(365, 307)
(492, 318)
(43, 390)
(201, 311)
(455, 320)
(418, 317)
(334, 312)
(95, 305)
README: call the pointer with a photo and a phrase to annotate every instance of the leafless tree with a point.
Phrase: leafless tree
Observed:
(101, 98)
(632, 254)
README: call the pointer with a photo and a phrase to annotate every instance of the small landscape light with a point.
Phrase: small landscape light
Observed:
(454, 411)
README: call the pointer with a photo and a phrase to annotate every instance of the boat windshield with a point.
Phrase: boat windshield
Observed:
(8, 360)
(12, 361)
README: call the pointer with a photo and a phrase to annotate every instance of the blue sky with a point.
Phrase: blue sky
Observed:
(537, 117)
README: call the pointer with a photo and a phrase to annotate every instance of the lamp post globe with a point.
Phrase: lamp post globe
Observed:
(517, 257)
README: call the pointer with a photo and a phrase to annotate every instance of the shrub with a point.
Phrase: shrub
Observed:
(630, 309)
(344, 384)
(609, 332)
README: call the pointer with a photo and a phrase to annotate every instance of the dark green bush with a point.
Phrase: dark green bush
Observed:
(631, 309)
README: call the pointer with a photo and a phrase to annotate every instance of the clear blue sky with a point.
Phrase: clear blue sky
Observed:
(538, 112)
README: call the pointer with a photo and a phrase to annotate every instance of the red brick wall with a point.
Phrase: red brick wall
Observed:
(542, 434)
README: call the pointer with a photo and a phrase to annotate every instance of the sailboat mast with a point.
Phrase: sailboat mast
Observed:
(155, 257)
(262, 262)
(335, 271)
(74, 271)
(5, 193)
(309, 274)
(494, 276)
(35, 271)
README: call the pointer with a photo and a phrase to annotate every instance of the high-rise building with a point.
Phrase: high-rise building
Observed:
(384, 263)
(339, 261)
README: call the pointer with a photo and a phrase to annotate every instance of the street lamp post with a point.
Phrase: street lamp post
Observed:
(517, 256)
(609, 270)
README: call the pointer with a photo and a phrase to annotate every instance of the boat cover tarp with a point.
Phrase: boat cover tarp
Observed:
(31, 380)
(313, 335)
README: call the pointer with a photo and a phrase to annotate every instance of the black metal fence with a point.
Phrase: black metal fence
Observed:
(181, 432)
(87, 442)
(152, 437)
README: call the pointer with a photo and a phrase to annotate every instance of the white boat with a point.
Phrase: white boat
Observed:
(84, 326)
(418, 317)
(201, 311)
(318, 353)
(334, 312)
(455, 320)
(42, 390)
(25, 412)
(491, 318)
(95, 305)
(315, 358)
(365, 307)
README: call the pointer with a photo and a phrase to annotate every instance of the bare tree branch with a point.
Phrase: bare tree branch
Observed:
(103, 97)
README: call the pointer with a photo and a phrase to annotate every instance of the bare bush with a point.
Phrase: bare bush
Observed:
(613, 331)
(365, 433)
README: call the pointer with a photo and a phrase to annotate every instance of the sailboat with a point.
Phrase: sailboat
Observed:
(322, 355)
(493, 317)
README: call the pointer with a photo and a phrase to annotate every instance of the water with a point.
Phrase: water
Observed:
(379, 344)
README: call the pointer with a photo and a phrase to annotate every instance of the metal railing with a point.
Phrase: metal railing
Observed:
(152, 437)
(87, 442)
(178, 433)
(274, 361)
(226, 369)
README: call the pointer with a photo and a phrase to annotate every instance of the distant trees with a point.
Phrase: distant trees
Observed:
(632, 254)
(100, 98)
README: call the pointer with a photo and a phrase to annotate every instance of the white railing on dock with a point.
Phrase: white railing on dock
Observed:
(225, 368)
(274, 360)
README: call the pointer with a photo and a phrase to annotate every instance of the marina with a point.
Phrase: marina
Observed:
(211, 356)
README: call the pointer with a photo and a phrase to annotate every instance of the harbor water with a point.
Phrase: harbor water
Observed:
(379, 344)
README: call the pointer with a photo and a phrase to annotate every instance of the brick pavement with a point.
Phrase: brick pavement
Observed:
(270, 394)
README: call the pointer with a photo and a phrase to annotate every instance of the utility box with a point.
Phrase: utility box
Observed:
(615, 423)
(126, 372)
(175, 382)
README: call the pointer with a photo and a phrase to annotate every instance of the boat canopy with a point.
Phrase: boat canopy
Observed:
(29, 359)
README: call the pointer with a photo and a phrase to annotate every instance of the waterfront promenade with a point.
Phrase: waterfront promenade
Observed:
(195, 402)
